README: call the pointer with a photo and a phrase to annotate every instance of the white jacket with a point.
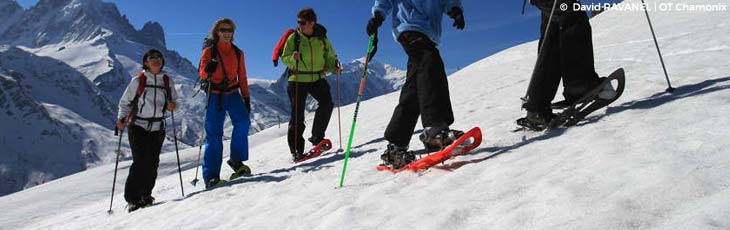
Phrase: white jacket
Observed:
(151, 103)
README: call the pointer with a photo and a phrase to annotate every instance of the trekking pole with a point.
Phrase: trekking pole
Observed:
(371, 45)
(539, 53)
(179, 171)
(661, 59)
(116, 165)
(339, 104)
(200, 148)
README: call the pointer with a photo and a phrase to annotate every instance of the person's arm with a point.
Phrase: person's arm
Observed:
(243, 76)
(287, 56)
(330, 57)
(204, 60)
(126, 100)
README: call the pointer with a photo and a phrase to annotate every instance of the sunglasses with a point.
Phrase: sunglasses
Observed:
(154, 58)
(301, 23)
(225, 30)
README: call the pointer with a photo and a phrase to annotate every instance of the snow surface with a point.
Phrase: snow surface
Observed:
(652, 160)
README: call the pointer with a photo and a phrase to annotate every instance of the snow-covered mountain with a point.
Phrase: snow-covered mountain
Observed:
(652, 160)
(91, 39)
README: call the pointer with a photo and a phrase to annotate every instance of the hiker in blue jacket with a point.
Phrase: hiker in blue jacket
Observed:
(417, 27)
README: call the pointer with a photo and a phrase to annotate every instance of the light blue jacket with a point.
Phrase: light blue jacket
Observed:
(416, 15)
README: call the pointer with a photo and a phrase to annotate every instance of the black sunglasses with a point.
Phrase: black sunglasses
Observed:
(154, 58)
(225, 30)
(301, 23)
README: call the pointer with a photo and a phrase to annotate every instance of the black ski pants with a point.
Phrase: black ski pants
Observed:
(146, 148)
(298, 91)
(568, 54)
(425, 92)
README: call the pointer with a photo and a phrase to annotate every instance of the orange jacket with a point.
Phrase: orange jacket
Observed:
(227, 54)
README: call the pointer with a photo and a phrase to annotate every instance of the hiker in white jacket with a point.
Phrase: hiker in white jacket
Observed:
(143, 107)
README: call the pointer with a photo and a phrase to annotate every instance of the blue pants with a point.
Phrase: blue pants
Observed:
(234, 106)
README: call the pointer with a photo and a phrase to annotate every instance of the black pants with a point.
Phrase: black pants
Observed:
(568, 53)
(146, 148)
(298, 91)
(426, 91)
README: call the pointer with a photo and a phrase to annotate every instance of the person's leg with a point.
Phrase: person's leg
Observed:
(320, 91)
(213, 140)
(576, 44)
(155, 147)
(134, 185)
(405, 115)
(241, 125)
(297, 99)
(548, 71)
(432, 87)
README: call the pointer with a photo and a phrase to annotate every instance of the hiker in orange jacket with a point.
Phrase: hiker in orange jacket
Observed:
(223, 71)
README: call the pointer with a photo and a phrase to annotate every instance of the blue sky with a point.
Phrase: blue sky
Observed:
(491, 26)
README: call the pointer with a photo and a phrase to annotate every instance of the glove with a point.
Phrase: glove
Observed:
(211, 67)
(247, 100)
(458, 15)
(204, 83)
(374, 23)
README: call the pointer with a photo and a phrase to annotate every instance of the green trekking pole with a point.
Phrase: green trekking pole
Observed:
(372, 47)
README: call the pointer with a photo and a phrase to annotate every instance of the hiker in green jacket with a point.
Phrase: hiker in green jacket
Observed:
(308, 55)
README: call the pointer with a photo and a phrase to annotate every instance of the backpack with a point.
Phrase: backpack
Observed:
(279, 48)
(140, 91)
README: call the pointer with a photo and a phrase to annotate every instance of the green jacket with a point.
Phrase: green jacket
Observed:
(316, 54)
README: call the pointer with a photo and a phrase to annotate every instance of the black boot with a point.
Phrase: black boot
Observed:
(397, 156)
(133, 206)
(239, 169)
(315, 140)
(147, 200)
(536, 120)
(212, 182)
(434, 140)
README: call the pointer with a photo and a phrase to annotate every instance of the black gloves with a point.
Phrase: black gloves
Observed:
(458, 15)
(204, 84)
(247, 100)
(211, 67)
(374, 24)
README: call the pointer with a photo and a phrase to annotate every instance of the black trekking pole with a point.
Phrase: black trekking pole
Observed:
(116, 165)
(174, 133)
(661, 59)
(539, 53)
(200, 148)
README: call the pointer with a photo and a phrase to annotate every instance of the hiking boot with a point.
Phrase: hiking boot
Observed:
(536, 120)
(397, 156)
(315, 140)
(436, 140)
(133, 206)
(607, 91)
(298, 156)
(147, 200)
(213, 182)
(239, 169)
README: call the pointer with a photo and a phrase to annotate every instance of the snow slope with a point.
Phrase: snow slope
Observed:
(652, 160)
